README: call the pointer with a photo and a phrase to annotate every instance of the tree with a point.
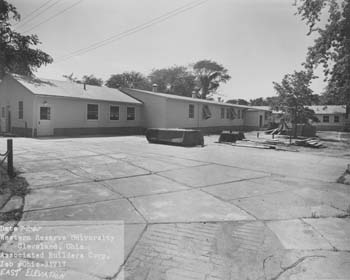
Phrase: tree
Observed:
(129, 80)
(331, 48)
(209, 75)
(92, 80)
(238, 101)
(294, 94)
(174, 80)
(16, 52)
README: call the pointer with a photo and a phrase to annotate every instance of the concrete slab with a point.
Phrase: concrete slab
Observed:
(284, 205)
(202, 251)
(41, 165)
(202, 176)
(143, 185)
(242, 189)
(119, 209)
(187, 206)
(51, 178)
(108, 171)
(296, 234)
(336, 231)
(15, 203)
(132, 234)
(150, 164)
(89, 160)
(339, 200)
(68, 195)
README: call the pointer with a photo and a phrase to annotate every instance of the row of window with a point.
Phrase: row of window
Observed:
(229, 113)
(92, 112)
(326, 119)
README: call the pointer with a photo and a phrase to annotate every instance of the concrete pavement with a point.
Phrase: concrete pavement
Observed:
(218, 212)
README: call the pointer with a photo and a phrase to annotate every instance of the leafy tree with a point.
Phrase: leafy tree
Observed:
(294, 93)
(174, 80)
(129, 80)
(92, 80)
(331, 48)
(238, 101)
(209, 75)
(16, 52)
(260, 101)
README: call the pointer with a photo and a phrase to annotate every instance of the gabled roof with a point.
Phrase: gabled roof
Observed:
(328, 109)
(46, 87)
(183, 98)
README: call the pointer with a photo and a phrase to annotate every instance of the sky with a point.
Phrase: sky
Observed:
(258, 41)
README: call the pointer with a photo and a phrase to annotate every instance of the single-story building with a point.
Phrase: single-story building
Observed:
(331, 117)
(163, 110)
(42, 107)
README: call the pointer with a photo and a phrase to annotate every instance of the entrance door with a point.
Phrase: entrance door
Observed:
(260, 121)
(3, 122)
(44, 124)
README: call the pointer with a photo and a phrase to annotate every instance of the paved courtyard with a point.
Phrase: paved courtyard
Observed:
(217, 212)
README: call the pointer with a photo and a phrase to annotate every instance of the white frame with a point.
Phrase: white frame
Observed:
(127, 107)
(189, 105)
(98, 112)
(19, 110)
(111, 105)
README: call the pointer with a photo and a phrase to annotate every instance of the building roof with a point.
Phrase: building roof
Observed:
(185, 98)
(46, 87)
(260, 108)
(328, 109)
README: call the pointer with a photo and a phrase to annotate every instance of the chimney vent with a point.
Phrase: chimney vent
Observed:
(155, 88)
(194, 94)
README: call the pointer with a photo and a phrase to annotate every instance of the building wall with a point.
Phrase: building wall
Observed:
(177, 115)
(331, 125)
(69, 116)
(11, 92)
(252, 119)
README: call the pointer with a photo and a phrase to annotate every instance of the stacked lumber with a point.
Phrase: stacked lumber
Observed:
(309, 142)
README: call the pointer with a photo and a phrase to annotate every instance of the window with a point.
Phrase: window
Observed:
(336, 119)
(92, 111)
(206, 114)
(326, 119)
(191, 111)
(45, 113)
(130, 113)
(20, 110)
(222, 113)
(3, 112)
(228, 113)
(114, 113)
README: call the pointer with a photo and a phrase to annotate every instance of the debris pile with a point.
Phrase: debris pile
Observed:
(309, 142)
(229, 136)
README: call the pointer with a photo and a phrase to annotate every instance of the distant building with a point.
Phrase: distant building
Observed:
(331, 117)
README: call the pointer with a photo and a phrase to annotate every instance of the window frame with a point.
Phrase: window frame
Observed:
(336, 119)
(110, 107)
(87, 112)
(191, 116)
(324, 119)
(127, 113)
(49, 113)
(222, 113)
(20, 110)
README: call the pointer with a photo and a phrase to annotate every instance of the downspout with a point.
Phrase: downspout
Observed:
(34, 115)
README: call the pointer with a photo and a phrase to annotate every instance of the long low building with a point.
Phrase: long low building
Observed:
(163, 110)
(41, 107)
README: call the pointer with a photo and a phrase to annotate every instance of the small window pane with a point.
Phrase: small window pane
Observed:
(45, 113)
(191, 111)
(114, 113)
(326, 119)
(222, 113)
(228, 113)
(336, 119)
(20, 110)
(92, 112)
(130, 113)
